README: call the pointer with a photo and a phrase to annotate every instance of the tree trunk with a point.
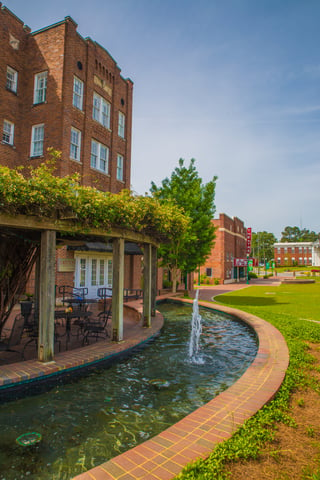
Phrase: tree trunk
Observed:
(174, 274)
(17, 257)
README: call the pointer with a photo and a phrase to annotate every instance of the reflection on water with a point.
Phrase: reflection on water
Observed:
(90, 420)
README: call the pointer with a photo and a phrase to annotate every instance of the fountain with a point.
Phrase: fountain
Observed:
(87, 420)
(196, 328)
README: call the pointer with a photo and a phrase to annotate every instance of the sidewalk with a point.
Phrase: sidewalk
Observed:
(208, 292)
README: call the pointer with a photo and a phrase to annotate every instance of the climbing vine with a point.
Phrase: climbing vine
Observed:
(43, 194)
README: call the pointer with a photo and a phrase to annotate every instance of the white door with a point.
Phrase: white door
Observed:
(93, 271)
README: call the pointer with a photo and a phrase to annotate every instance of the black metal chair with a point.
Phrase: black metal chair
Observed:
(73, 296)
(97, 328)
(14, 337)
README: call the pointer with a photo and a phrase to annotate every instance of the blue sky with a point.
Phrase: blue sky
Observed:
(234, 84)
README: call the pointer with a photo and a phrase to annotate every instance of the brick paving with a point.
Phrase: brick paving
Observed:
(195, 436)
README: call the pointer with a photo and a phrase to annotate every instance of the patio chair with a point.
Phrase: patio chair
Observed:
(14, 338)
(97, 328)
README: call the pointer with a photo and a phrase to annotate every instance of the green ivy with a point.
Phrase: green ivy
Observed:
(41, 193)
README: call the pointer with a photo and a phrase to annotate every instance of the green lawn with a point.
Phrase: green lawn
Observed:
(290, 309)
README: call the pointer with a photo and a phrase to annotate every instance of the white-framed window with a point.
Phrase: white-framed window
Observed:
(119, 167)
(8, 132)
(75, 144)
(12, 79)
(101, 110)
(300, 260)
(77, 93)
(99, 156)
(37, 137)
(40, 87)
(279, 260)
(279, 250)
(310, 259)
(121, 124)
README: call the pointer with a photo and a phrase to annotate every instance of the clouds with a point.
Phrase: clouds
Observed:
(233, 84)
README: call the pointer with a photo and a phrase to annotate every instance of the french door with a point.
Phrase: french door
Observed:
(93, 272)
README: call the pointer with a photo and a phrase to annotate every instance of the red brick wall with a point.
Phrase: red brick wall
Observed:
(293, 254)
(230, 243)
(60, 51)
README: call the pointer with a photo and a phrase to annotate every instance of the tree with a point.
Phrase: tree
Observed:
(262, 245)
(294, 234)
(185, 190)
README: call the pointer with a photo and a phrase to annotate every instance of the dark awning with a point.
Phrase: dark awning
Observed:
(130, 248)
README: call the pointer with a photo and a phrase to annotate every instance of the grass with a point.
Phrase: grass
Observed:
(294, 310)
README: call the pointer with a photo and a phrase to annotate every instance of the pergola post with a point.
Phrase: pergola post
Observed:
(47, 296)
(153, 280)
(117, 289)
(147, 286)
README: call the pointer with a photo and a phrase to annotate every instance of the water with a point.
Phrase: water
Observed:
(196, 329)
(90, 420)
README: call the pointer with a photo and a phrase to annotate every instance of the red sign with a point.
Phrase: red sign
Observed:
(240, 262)
(249, 234)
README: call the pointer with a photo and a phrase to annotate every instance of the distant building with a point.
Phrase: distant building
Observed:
(227, 260)
(299, 253)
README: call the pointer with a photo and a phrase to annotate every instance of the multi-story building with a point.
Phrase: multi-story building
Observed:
(227, 260)
(299, 253)
(60, 90)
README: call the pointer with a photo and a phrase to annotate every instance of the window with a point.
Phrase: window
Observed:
(101, 110)
(279, 260)
(209, 272)
(119, 167)
(77, 93)
(8, 131)
(12, 79)
(121, 124)
(37, 137)
(99, 156)
(75, 144)
(40, 87)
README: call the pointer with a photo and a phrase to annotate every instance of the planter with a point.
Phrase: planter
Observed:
(26, 307)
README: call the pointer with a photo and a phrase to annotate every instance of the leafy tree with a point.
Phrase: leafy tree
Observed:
(185, 189)
(262, 245)
(294, 234)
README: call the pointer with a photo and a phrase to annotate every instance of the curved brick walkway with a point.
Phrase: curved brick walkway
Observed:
(195, 436)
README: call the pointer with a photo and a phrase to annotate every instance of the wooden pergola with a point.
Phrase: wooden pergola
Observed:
(48, 232)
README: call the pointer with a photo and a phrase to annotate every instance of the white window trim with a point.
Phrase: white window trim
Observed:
(98, 156)
(75, 153)
(8, 132)
(40, 87)
(99, 108)
(35, 141)
(120, 167)
(77, 98)
(13, 72)
(121, 124)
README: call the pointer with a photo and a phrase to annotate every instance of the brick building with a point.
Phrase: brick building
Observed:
(60, 90)
(299, 253)
(224, 264)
